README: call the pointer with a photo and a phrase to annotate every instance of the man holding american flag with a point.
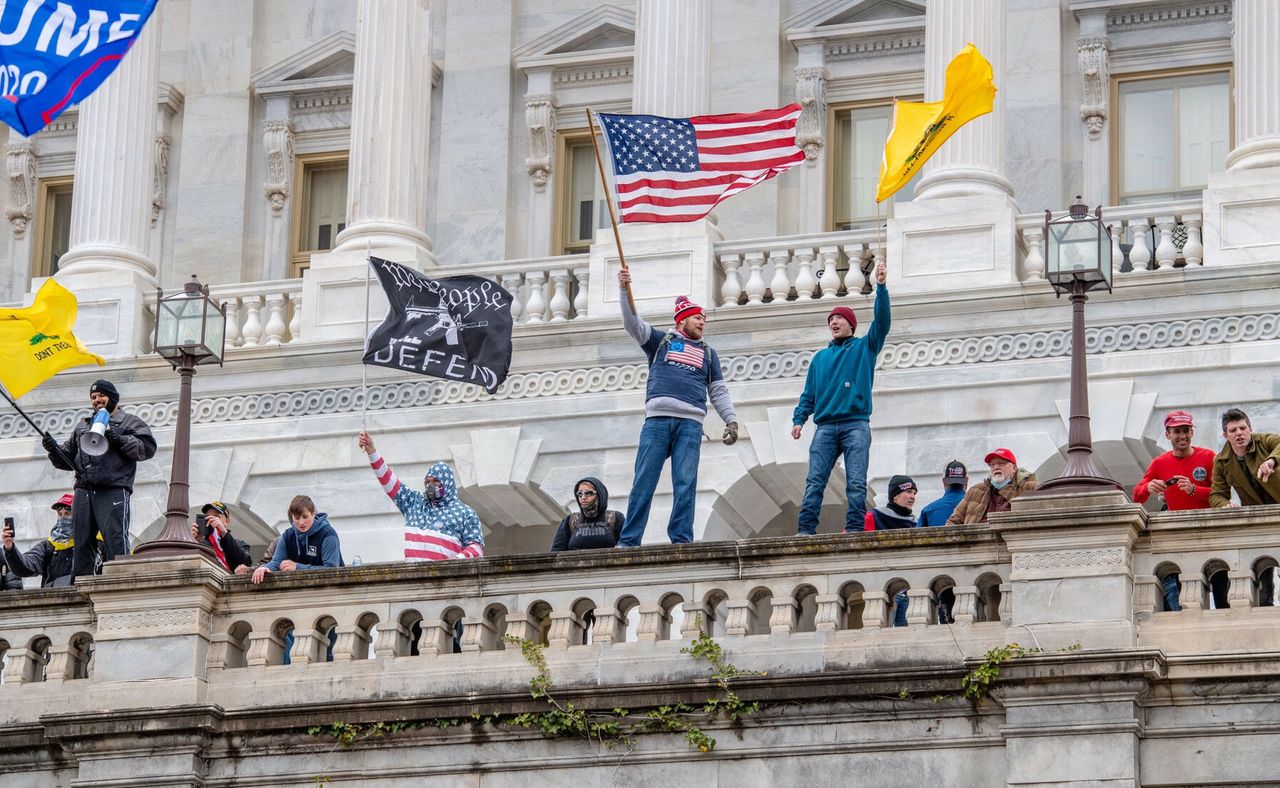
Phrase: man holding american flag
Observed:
(683, 372)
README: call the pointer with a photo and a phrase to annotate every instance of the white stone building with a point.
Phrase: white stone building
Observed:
(264, 146)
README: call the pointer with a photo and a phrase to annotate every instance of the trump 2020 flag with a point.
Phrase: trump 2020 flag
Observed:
(456, 328)
(36, 341)
(54, 53)
(678, 169)
(919, 129)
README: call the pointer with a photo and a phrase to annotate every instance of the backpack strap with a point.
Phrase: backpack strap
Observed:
(575, 520)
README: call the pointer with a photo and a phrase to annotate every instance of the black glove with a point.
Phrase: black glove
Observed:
(112, 436)
(50, 445)
(731, 433)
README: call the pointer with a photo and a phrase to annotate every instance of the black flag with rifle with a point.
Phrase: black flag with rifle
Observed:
(455, 328)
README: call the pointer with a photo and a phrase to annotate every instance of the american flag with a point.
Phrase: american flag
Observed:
(678, 169)
(685, 353)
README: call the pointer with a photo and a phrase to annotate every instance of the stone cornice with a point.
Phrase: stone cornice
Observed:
(1007, 347)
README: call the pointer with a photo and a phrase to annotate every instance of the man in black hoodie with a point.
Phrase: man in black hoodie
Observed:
(104, 483)
(593, 525)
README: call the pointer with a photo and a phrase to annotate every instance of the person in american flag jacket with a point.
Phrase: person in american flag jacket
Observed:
(683, 373)
(437, 525)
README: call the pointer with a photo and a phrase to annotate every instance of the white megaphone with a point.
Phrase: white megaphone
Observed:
(94, 441)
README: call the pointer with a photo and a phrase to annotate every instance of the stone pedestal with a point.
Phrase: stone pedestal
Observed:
(956, 243)
(1072, 558)
(666, 260)
(333, 289)
(108, 266)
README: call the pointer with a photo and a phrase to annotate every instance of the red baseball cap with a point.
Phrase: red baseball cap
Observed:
(66, 500)
(1178, 418)
(1003, 454)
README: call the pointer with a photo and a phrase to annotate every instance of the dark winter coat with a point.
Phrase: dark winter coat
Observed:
(131, 442)
(973, 509)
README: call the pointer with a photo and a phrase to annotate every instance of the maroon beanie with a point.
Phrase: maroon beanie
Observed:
(846, 313)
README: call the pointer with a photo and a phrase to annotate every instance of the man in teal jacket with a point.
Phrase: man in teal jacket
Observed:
(837, 393)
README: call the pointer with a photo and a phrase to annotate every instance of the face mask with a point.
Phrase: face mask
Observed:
(434, 492)
(1000, 485)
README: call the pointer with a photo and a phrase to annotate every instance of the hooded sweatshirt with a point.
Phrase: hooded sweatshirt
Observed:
(433, 531)
(50, 559)
(589, 530)
(889, 516)
(318, 548)
(837, 386)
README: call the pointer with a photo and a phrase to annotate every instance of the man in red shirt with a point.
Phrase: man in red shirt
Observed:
(1185, 474)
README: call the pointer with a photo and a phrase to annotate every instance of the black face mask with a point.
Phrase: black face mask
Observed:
(434, 492)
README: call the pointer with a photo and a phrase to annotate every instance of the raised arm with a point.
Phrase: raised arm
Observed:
(639, 330)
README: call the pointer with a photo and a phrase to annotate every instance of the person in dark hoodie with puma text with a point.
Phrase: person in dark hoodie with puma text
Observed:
(594, 525)
(311, 543)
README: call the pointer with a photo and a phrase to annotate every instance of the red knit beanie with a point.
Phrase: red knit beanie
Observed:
(846, 313)
(686, 308)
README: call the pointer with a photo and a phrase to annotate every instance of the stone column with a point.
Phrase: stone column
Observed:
(1255, 27)
(672, 58)
(390, 122)
(109, 264)
(972, 161)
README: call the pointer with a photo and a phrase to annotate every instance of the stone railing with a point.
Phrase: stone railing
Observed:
(546, 289)
(1143, 238)
(800, 268)
(261, 313)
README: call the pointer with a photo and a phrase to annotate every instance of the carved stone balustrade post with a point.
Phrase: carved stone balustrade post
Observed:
(252, 329)
(785, 615)
(275, 326)
(61, 662)
(352, 643)
(566, 629)
(921, 606)
(1192, 596)
(1166, 252)
(755, 280)
(536, 307)
(234, 337)
(295, 321)
(964, 610)
(437, 638)
(478, 634)
(1140, 254)
(523, 626)
(832, 609)
(560, 296)
(655, 623)
(780, 285)
(732, 287)
(1240, 593)
(394, 639)
(1033, 264)
(580, 298)
(511, 283)
(805, 282)
(610, 627)
(875, 609)
(265, 648)
(738, 618)
(1006, 601)
(829, 281)
(309, 645)
(853, 278)
(697, 620)
(1193, 249)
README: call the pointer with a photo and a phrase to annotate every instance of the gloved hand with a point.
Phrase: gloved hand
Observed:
(731, 433)
(50, 445)
(112, 436)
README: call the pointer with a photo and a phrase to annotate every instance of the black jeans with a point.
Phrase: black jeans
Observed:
(103, 511)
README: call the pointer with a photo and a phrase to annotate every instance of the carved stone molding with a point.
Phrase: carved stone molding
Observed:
(160, 177)
(594, 75)
(1191, 332)
(909, 43)
(277, 138)
(540, 116)
(20, 159)
(1095, 79)
(1167, 15)
(1065, 559)
(151, 620)
(811, 92)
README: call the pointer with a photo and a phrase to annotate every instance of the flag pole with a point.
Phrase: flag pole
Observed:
(5, 393)
(608, 199)
(364, 368)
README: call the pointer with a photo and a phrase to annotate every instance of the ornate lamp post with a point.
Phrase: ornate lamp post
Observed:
(1078, 259)
(190, 330)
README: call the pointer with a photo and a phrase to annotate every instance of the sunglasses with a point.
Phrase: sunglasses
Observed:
(585, 494)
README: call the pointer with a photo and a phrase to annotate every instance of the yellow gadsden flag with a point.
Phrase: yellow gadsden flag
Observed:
(919, 129)
(36, 342)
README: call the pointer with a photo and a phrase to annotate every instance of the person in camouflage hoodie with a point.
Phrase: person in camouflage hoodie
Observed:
(437, 525)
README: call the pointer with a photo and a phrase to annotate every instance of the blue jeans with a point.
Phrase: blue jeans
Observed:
(900, 602)
(1172, 589)
(853, 439)
(660, 438)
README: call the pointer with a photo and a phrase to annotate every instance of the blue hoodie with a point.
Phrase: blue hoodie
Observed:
(937, 512)
(838, 384)
(318, 548)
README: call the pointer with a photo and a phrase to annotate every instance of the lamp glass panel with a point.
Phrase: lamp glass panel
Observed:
(215, 328)
(1074, 247)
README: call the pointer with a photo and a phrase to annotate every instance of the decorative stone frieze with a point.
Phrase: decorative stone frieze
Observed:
(20, 160)
(1095, 80)
(1167, 15)
(858, 49)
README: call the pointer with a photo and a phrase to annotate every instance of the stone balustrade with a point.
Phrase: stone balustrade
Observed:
(261, 314)
(546, 289)
(801, 268)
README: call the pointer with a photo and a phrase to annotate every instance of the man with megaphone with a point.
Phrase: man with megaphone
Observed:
(104, 451)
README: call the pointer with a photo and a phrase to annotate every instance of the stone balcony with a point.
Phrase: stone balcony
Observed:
(190, 661)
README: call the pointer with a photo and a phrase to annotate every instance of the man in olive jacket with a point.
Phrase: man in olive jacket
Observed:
(1247, 464)
(994, 494)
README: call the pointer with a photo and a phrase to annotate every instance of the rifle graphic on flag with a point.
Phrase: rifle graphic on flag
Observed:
(919, 129)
